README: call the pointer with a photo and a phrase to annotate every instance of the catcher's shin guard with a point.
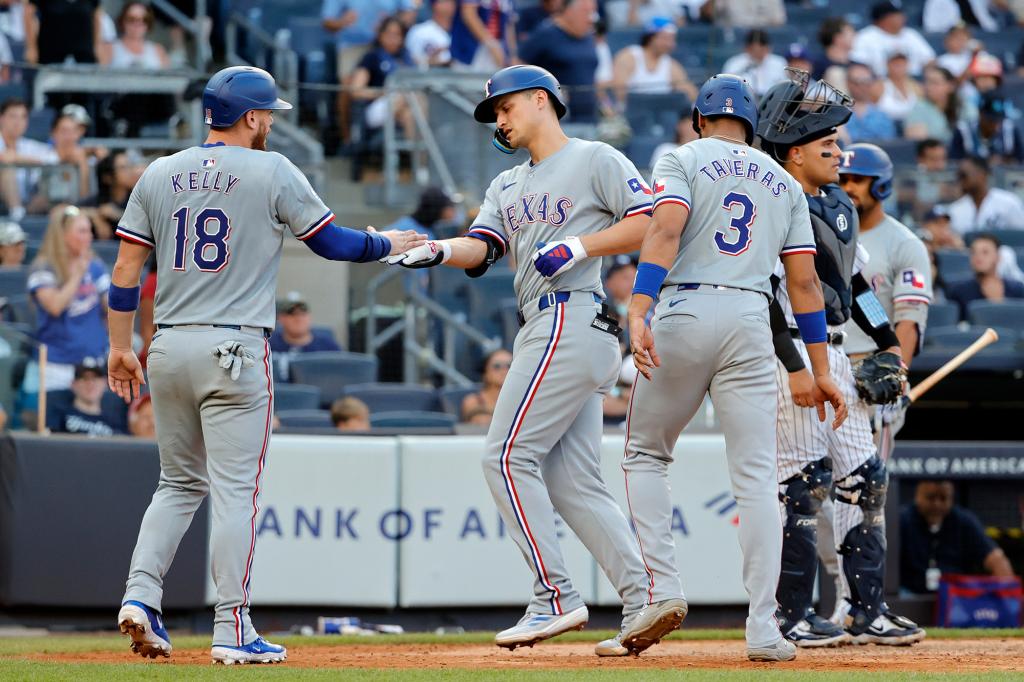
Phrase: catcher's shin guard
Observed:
(863, 548)
(802, 498)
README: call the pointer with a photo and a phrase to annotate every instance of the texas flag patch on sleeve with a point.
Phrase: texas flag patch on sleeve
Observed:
(913, 278)
(638, 185)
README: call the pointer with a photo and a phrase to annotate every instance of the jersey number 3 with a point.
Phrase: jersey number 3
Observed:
(733, 244)
(211, 227)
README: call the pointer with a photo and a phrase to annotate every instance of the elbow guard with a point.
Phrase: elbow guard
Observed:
(495, 250)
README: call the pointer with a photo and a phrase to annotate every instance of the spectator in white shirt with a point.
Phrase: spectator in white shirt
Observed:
(428, 42)
(941, 15)
(960, 50)
(18, 187)
(900, 92)
(887, 34)
(649, 68)
(756, 64)
(982, 207)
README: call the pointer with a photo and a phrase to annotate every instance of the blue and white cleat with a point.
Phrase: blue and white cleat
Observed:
(258, 650)
(146, 629)
(536, 627)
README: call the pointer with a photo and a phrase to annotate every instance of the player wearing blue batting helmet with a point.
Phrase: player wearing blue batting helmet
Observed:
(869, 161)
(233, 91)
(511, 79)
(727, 95)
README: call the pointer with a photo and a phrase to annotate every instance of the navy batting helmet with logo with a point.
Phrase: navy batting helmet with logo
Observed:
(870, 161)
(517, 79)
(727, 95)
(235, 90)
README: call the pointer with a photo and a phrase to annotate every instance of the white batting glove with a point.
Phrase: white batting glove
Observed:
(425, 256)
(552, 259)
(234, 357)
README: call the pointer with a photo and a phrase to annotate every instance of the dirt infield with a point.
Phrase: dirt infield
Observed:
(949, 656)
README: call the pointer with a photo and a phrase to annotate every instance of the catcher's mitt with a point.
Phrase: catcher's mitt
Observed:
(880, 378)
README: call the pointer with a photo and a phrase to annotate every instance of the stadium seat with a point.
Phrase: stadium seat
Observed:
(305, 419)
(34, 226)
(1008, 313)
(623, 37)
(296, 397)
(958, 339)
(388, 396)
(40, 121)
(484, 292)
(942, 315)
(902, 152)
(21, 311)
(655, 116)
(452, 397)
(509, 312)
(332, 371)
(411, 419)
(107, 250)
(13, 281)
(953, 265)
(1012, 238)
(641, 148)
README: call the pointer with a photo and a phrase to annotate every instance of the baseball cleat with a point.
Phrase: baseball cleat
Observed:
(614, 646)
(146, 629)
(536, 627)
(815, 631)
(782, 650)
(652, 623)
(889, 630)
(258, 650)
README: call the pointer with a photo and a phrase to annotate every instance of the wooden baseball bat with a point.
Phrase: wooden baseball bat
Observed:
(986, 339)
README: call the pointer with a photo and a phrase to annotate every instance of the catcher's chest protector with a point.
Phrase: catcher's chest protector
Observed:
(835, 225)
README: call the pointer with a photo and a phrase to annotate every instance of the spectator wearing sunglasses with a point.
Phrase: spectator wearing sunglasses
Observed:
(478, 407)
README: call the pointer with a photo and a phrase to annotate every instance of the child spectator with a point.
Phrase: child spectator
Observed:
(350, 414)
(85, 414)
(960, 50)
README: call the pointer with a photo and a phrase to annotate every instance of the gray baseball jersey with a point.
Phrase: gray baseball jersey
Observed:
(215, 216)
(750, 211)
(543, 444)
(582, 188)
(901, 275)
(712, 332)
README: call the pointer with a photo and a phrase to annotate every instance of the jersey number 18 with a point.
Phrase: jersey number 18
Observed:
(734, 244)
(211, 227)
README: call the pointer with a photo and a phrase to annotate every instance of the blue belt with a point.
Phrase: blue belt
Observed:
(691, 286)
(236, 327)
(554, 298)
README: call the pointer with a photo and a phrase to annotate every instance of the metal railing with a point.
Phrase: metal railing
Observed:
(272, 52)
(194, 26)
(418, 313)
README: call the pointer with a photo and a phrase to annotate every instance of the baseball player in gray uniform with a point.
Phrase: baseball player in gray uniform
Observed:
(798, 127)
(724, 213)
(570, 203)
(215, 216)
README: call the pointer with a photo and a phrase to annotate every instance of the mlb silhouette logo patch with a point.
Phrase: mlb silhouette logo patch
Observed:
(209, 163)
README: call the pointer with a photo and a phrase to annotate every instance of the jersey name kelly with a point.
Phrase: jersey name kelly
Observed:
(206, 181)
(744, 170)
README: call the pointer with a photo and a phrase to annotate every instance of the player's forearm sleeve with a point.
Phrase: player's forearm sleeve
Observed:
(782, 339)
(343, 243)
(869, 314)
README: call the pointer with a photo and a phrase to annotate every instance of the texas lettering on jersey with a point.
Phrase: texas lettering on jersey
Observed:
(534, 208)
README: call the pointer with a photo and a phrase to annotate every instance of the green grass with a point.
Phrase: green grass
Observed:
(21, 670)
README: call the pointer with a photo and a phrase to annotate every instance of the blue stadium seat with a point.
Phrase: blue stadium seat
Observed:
(623, 37)
(305, 419)
(331, 372)
(942, 315)
(902, 152)
(452, 397)
(1014, 238)
(958, 339)
(39, 123)
(34, 226)
(21, 311)
(107, 250)
(1008, 313)
(509, 312)
(655, 116)
(388, 396)
(484, 292)
(32, 247)
(13, 281)
(953, 265)
(296, 397)
(411, 419)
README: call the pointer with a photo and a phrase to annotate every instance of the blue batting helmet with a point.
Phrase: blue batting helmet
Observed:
(235, 90)
(727, 95)
(516, 79)
(870, 161)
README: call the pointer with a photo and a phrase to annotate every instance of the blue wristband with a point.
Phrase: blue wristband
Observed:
(123, 299)
(812, 326)
(649, 278)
